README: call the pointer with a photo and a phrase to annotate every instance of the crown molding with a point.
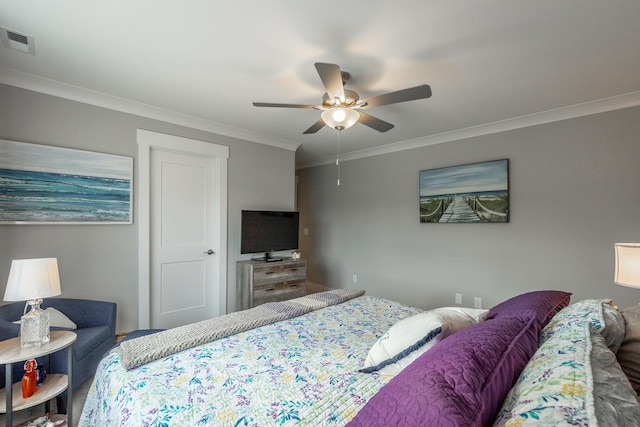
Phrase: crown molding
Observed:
(618, 102)
(74, 93)
(86, 96)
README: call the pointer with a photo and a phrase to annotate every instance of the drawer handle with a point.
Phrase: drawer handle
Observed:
(270, 289)
(269, 272)
(293, 269)
(295, 285)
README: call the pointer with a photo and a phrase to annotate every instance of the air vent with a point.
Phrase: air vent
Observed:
(14, 40)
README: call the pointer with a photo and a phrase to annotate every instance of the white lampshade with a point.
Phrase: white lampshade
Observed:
(340, 118)
(627, 264)
(31, 279)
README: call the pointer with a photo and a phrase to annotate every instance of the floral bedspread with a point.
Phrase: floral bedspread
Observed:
(301, 371)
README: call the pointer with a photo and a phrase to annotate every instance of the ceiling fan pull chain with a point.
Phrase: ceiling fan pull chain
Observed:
(338, 156)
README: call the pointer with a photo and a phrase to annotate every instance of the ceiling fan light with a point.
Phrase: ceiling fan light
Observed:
(340, 118)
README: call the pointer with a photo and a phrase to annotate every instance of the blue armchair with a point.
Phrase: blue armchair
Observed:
(96, 321)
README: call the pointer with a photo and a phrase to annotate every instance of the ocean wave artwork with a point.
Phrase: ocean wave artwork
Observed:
(44, 184)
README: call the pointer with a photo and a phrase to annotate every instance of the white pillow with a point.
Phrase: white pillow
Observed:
(59, 320)
(409, 338)
(403, 343)
(56, 319)
(463, 314)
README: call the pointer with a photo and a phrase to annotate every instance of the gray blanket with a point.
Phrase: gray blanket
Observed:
(139, 351)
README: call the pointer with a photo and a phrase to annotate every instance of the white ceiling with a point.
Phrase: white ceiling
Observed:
(491, 64)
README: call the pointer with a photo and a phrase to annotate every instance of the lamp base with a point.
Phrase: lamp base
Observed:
(34, 326)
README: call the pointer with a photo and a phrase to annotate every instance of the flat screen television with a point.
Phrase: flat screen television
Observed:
(268, 231)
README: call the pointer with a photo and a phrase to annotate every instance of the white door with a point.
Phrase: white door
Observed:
(186, 251)
(181, 239)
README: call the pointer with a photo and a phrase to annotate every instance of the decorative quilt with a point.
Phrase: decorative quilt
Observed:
(137, 352)
(301, 371)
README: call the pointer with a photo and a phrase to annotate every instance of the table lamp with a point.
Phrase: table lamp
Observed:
(32, 280)
(627, 271)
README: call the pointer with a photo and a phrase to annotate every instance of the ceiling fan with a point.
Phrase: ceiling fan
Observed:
(341, 107)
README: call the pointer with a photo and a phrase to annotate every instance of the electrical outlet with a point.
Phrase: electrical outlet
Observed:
(354, 278)
(458, 298)
(477, 302)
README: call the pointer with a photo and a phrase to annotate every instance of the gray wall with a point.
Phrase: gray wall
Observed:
(574, 193)
(101, 261)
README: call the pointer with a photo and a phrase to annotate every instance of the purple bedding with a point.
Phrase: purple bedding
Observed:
(545, 305)
(463, 380)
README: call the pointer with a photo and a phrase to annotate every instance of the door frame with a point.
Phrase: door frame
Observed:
(147, 141)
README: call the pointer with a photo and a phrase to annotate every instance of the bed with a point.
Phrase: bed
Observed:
(343, 358)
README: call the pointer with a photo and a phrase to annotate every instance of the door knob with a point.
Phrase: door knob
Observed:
(209, 252)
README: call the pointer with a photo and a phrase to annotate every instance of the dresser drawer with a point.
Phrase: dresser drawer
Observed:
(278, 292)
(277, 274)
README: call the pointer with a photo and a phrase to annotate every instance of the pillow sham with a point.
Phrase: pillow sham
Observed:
(409, 338)
(461, 381)
(588, 311)
(614, 328)
(554, 385)
(544, 303)
(572, 379)
(600, 314)
(474, 314)
(404, 342)
(615, 400)
(630, 347)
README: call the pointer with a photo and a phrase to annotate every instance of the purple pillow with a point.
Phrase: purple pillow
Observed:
(461, 381)
(545, 304)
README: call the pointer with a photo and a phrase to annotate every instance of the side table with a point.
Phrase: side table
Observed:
(53, 385)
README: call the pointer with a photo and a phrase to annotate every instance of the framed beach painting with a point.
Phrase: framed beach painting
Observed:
(472, 193)
(41, 184)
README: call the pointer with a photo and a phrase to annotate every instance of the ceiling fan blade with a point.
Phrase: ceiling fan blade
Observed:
(374, 122)
(269, 104)
(411, 94)
(331, 79)
(314, 127)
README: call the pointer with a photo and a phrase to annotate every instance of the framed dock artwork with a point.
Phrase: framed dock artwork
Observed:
(471, 193)
(42, 184)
